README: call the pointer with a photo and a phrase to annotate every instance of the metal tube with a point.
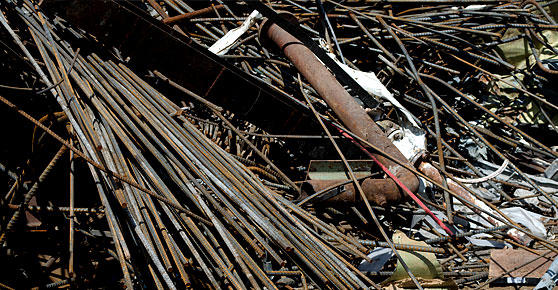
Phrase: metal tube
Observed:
(346, 108)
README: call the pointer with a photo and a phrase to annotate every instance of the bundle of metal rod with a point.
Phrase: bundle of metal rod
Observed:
(296, 145)
(130, 129)
(439, 36)
(435, 50)
(452, 63)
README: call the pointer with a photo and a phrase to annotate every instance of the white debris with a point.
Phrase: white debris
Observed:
(223, 45)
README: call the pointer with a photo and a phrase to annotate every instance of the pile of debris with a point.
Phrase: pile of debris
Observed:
(279, 144)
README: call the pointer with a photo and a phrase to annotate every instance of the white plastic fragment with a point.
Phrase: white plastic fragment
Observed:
(487, 177)
(370, 82)
(530, 220)
(533, 222)
(471, 7)
(223, 45)
(412, 139)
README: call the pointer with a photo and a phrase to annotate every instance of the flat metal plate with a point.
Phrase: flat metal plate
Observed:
(505, 260)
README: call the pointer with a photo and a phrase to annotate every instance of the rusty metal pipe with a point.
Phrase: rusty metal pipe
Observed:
(376, 191)
(347, 109)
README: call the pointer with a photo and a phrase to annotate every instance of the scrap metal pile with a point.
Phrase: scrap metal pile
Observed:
(278, 144)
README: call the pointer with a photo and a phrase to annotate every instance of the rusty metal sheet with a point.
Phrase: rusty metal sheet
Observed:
(513, 260)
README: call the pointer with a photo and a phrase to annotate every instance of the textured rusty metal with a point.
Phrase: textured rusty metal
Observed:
(347, 109)
(504, 260)
(347, 193)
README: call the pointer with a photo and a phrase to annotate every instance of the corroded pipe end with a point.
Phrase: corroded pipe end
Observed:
(353, 116)
(266, 24)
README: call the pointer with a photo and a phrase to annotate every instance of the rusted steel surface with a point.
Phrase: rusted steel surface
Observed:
(377, 190)
(346, 108)
(515, 263)
(193, 163)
